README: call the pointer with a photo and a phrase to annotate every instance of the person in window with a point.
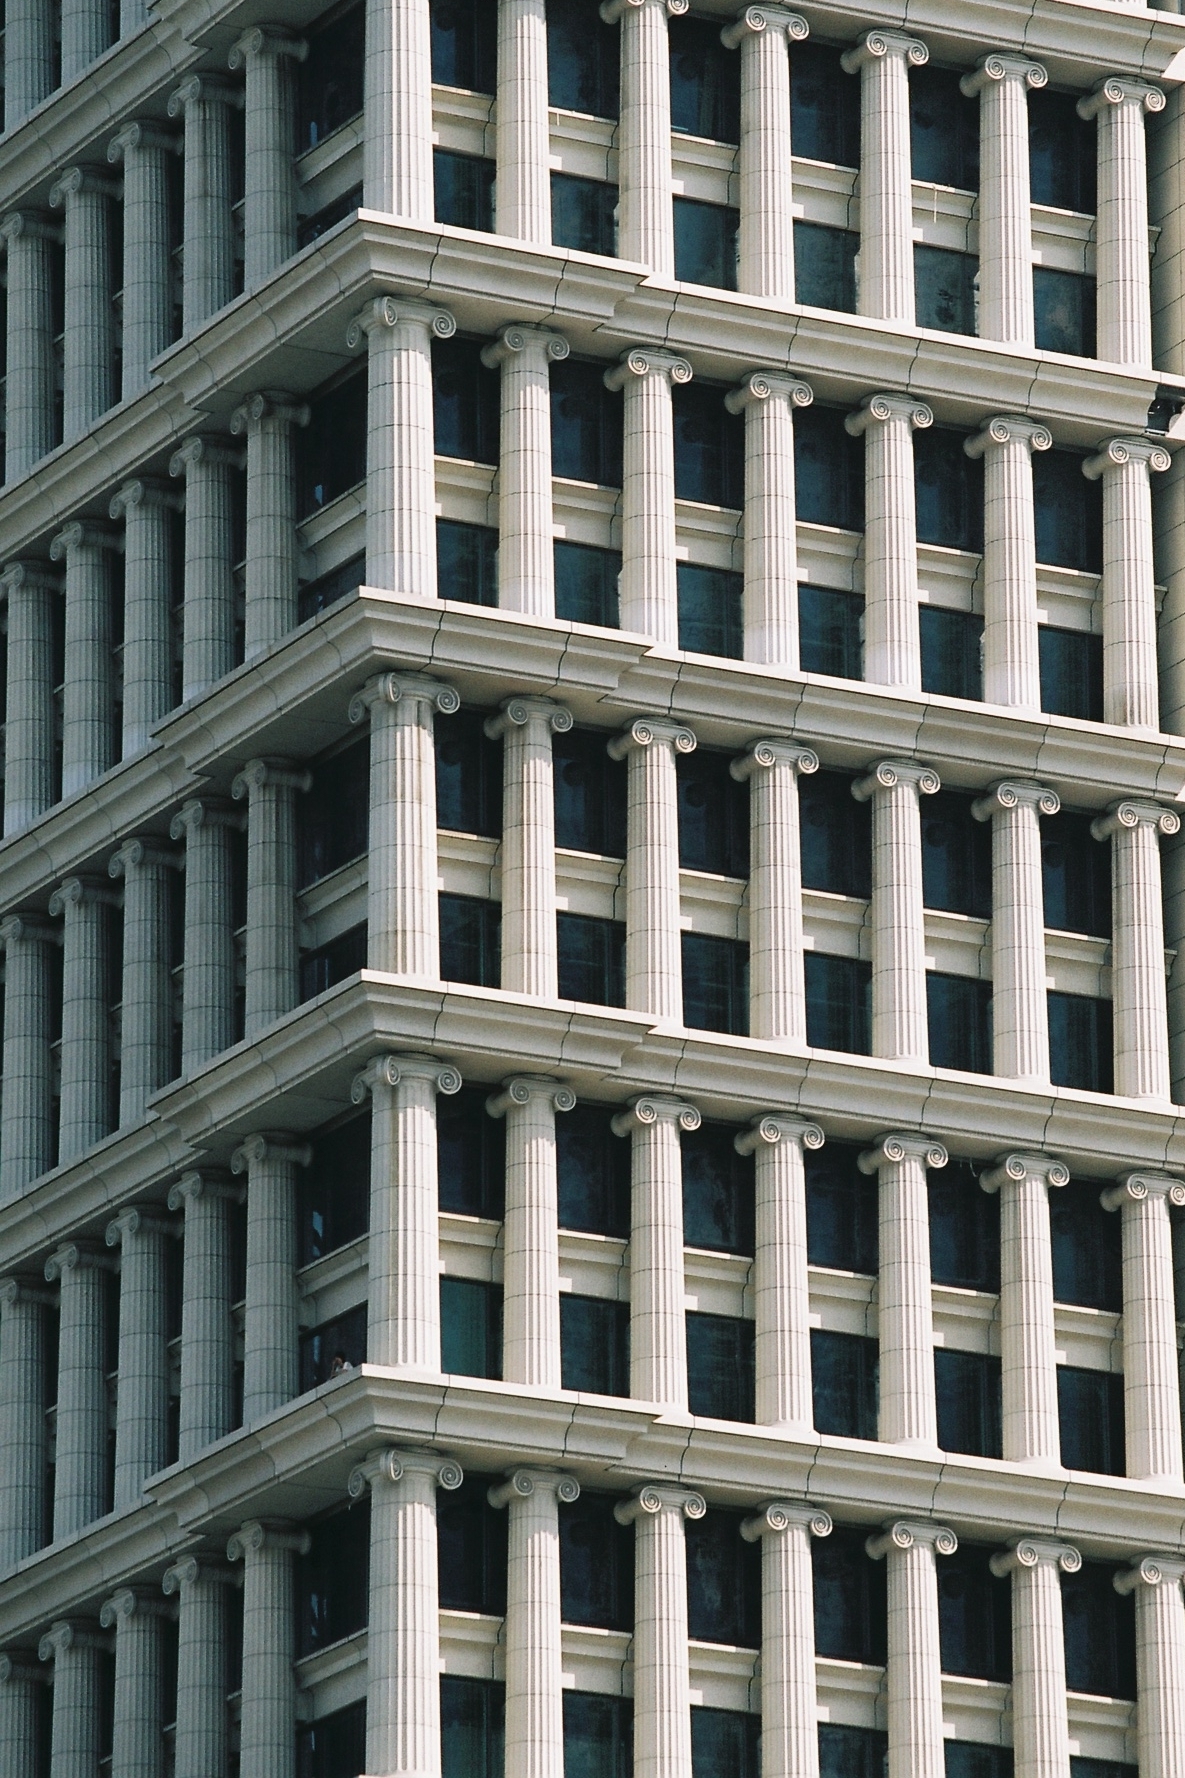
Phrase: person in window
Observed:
(339, 1365)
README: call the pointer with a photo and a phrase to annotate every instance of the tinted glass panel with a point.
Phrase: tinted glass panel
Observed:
(311, 228)
(841, 1209)
(333, 962)
(472, 1713)
(844, 1384)
(1101, 1768)
(583, 214)
(590, 793)
(330, 77)
(836, 835)
(943, 129)
(975, 1759)
(332, 817)
(333, 1746)
(596, 1564)
(591, 959)
(470, 940)
(586, 423)
(828, 470)
(705, 243)
(851, 1615)
(586, 584)
(709, 447)
(1080, 1042)
(1090, 1409)
(598, 1735)
(713, 814)
(829, 632)
(333, 1348)
(331, 1579)
(969, 1410)
(328, 589)
(852, 1753)
(838, 1003)
(1087, 1248)
(594, 1172)
(959, 1015)
(718, 1188)
(824, 106)
(711, 611)
(331, 449)
(723, 1581)
(335, 1190)
(1062, 152)
(956, 855)
(720, 1376)
(594, 1345)
(1071, 673)
(1064, 312)
(466, 401)
(466, 562)
(471, 1546)
(964, 1229)
(705, 81)
(724, 1741)
(974, 1615)
(468, 775)
(583, 58)
(470, 1154)
(1100, 1628)
(1076, 872)
(948, 490)
(825, 266)
(470, 1328)
(464, 189)
(945, 289)
(1068, 511)
(715, 983)
(952, 652)
(464, 44)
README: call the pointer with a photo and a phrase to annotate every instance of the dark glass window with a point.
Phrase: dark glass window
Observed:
(594, 1172)
(828, 470)
(328, 589)
(952, 652)
(1090, 1410)
(594, 1345)
(596, 1564)
(472, 1735)
(715, 983)
(586, 584)
(836, 835)
(1076, 871)
(470, 940)
(466, 400)
(844, 1384)
(709, 447)
(1080, 1042)
(706, 244)
(464, 45)
(711, 611)
(974, 1615)
(1064, 306)
(329, 80)
(333, 1746)
(583, 214)
(468, 775)
(1101, 1768)
(724, 1741)
(841, 1210)
(956, 856)
(824, 106)
(583, 58)
(1100, 1631)
(829, 632)
(943, 129)
(723, 1581)
(1071, 673)
(466, 562)
(331, 1579)
(598, 1735)
(591, 959)
(470, 1328)
(852, 1753)
(851, 1610)
(1087, 1248)
(969, 1408)
(464, 189)
(311, 228)
(471, 1548)
(838, 1003)
(590, 793)
(1062, 152)
(713, 815)
(336, 1346)
(332, 817)
(334, 1190)
(720, 1374)
(718, 1190)
(825, 266)
(331, 449)
(964, 1229)
(959, 1016)
(705, 81)
(948, 490)
(470, 1154)
(944, 287)
(586, 424)
(331, 963)
(977, 1759)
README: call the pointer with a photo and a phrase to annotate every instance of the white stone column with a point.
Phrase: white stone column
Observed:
(899, 1018)
(781, 1287)
(200, 1739)
(525, 726)
(1011, 658)
(914, 1672)
(267, 55)
(207, 1331)
(144, 507)
(269, 786)
(208, 619)
(653, 952)
(1032, 1432)
(1020, 1015)
(763, 34)
(523, 139)
(646, 233)
(403, 1328)
(270, 605)
(142, 1391)
(20, 1682)
(146, 1029)
(133, 16)
(88, 689)
(908, 1413)
(28, 58)
(789, 1701)
(768, 402)
(526, 566)
(1121, 227)
(1131, 695)
(29, 687)
(662, 1683)
(88, 380)
(400, 434)
(403, 1632)
(1160, 1661)
(534, 1677)
(892, 643)
(29, 409)
(658, 1333)
(80, 1473)
(267, 1725)
(26, 1108)
(402, 910)
(1138, 988)
(1040, 1731)
(1003, 83)
(397, 152)
(271, 1316)
(883, 60)
(85, 1047)
(147, 330)
(777, 982)
(22, 1419)
(649, 598)
(530, 1229)
(208, 985)
(208, 274)
(76, 1650)
(137, 1618)
(1151, 1388)
(86, 34)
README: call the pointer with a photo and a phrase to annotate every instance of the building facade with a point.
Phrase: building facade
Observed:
(591, 893)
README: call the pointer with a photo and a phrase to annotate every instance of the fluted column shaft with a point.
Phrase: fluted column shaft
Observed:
(534, 1677)
(270, 787)
(1151, 1387)
(207, 1334)
(30, 423)
(646, 232)
(905, 1322)
(26, 1109)
(1139, 992)
(530, 1242)
(22, 1420)
(28, 58)
(781, 1286)
(1124, 278)
(662, 1684)
(526, 565)
(1131, 695)
(88, 680)
(269, 217)
(80, 1473)
(777, 981)
(649, 599)
(397, 152)
(200, 1738)
(142, 1394)
(29, 687)
(914, 1673)
(271, 1317)
(1160, 1662)
(85, 35)
(208, 996)
(76, 1651)
(1003, 83)
(899, 1017)
(1011, 657)
(771, 548)
(270, 604)
(85, 1048)
(144, 507)
(883, 60)
(147, 268)
(1020, 1015)
(146, 1033)
(892, 645)
(763, 35)
(208, 279)
(208, 618)
(1040, 1731)
(789, 1703)
(267, 1732)
(88, 385)
(20, 1687)
(653, 951)
(523, 142)
(529, 944)
(658, 1338)
(139, 1703)
(1031, 1427)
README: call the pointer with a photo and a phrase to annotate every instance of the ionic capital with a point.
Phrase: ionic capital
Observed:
(190, 1569)
(649, 731)
(137, 853)
(140, 135)
(1140, 1188)
(143, 492)
(78, 892)
(771, 1128)
(390, 1070)
(82, 534)
(80, 182)
(521, 1484)
(276, 1146)
(772, 751)
(399, 688)
(893, 1149)
(880, 44)
(131, 1602)
(74, 1256)
(1004, 429)
(379, 317)
(263, 1534)
(268, 407)
(137, 1219)
(32, 225)
(204, 89)
(67, 1634)
(521, 1089)
(24, 1290)
(908, 1534)
(27, 929)
(647, 361)
(1129, 814)
(204, 452)
(998, 67)
(763, 385)
(269, 774)
(515, 341)
(786, 1515)
(21, 1664)
(1016, 793)
(656, 1497)
(612, 10)
(652, 1109)
(1149, 1571)
(753, 21)
(1116, 453)
(522, 712)
(212, 1183)
(266, 40)
(30, 576)
(1117, 89)
(1015, 1169)
(391, 1463)
(207, 811)
(888, 774)
(1035, 1552)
